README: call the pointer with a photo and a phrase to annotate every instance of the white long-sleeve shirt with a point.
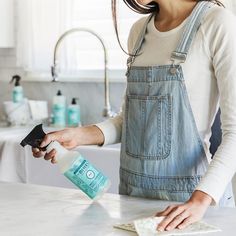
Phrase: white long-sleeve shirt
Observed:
(210, 77)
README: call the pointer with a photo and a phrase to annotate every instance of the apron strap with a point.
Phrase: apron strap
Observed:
(192, 26)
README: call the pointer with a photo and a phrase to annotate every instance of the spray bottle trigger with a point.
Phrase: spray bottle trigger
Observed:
(34, 138)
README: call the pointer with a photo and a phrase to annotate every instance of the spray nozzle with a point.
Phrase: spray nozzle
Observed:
(17, 79)
(34, 138)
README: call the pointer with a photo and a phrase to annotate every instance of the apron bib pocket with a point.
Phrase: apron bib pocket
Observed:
(149, 126)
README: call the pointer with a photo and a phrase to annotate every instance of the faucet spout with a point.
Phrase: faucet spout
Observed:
(107, 112)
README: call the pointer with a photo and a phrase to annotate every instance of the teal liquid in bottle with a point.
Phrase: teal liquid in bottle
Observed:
(74, 113)
(59, 110)
(80, 172)
(17, 93)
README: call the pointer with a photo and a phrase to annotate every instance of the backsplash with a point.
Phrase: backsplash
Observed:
(91, 96)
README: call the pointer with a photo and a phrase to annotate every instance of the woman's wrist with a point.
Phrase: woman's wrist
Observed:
(89, 135)
(201, 198)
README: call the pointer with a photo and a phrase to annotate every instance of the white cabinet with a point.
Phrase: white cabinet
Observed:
(7, 24)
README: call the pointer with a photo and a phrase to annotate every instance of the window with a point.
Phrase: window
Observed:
(42, 22)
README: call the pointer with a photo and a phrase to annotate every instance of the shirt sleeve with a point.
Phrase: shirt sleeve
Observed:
(112, 128)
(134, 32)
(221, 39)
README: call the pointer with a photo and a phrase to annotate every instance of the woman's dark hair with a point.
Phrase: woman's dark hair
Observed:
(136, 7)
(153, 6)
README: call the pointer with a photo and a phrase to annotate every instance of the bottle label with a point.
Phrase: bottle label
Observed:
(90, 180)
(59, 114)
(73, 117)
(17, 96)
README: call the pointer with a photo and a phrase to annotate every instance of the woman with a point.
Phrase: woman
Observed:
(181, 65)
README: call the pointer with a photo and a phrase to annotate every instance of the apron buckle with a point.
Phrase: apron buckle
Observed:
(130, 61)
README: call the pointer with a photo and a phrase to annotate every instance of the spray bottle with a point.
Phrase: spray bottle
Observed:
(77, 169)
(17, 93)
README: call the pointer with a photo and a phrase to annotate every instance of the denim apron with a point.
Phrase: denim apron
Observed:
(162, 155)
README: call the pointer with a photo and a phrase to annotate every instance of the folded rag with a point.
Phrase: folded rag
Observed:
(147, 227)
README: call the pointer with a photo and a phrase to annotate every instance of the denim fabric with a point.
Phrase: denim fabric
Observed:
(162, 155)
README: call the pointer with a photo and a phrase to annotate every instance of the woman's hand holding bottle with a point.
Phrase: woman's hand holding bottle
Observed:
(70, 138)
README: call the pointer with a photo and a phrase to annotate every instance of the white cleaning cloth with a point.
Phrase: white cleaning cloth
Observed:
(148, 227)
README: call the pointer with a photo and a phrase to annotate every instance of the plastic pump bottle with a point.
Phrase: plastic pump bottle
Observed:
(77, 169)
(17, 93)
(74, 113)
(59, 110)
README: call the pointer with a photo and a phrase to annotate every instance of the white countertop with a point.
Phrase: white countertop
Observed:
(27, 210)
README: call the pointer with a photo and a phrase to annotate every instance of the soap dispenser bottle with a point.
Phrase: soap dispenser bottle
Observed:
(59, 110)
(17, 93)
(74, 113)
(72, 164)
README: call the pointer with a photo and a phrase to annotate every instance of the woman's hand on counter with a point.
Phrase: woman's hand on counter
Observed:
(180, 216)
(70, 138)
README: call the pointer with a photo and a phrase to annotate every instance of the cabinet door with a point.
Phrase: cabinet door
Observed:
(6, 23)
